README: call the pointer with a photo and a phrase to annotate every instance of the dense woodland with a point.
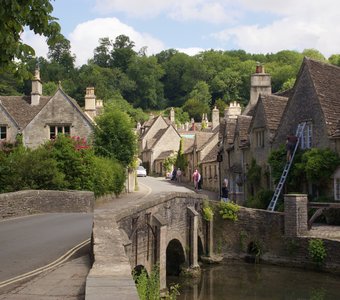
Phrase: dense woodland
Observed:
(170, 78)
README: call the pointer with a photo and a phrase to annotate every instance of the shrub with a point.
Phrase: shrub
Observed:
(228, 210)
(208, 212)
(317, 251)
(261, 199)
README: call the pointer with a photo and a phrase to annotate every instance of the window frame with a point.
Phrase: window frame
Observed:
(59, 129)
(259, 137)
(3, 134)
(337, 189)
(307, 136)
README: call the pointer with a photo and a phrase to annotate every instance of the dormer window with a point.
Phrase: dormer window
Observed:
(3, 132)
(59, 129)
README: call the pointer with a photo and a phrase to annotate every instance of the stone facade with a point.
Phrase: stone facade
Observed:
(39, 118)
(30, 202)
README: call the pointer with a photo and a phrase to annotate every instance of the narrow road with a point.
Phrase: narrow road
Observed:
(31, 242)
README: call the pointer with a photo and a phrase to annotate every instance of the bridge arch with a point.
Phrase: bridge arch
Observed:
(175, 257)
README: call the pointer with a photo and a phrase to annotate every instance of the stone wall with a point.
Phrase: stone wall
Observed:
(266, 231)
(42, 201)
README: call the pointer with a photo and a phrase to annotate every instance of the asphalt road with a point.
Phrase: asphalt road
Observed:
(160, 185)
(31, 242)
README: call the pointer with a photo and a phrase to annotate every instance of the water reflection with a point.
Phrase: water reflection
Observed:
(249, 281)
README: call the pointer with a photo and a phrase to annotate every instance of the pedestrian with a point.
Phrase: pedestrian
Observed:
(199, 182)
(174, 173)
(195, 179)
(178, 175)
(290, 146)
(225, 191)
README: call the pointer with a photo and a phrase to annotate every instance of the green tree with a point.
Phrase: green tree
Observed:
(181, 161)
(335, 59)
(314, 54)
(102, 56)
(122, 52)
(146, 73)
(114, 137)
(15, 15)
(319, 165)
(195, 108)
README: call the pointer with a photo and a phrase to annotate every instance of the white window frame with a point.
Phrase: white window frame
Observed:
(3, 132)
(306, 138)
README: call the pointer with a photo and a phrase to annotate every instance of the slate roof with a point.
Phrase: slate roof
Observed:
(274, 107)
(165, 154)
(188, 144)
(202, 138)
(326, 79)
(20, 108)
(243, 123)
(212, 155)
(230, 130)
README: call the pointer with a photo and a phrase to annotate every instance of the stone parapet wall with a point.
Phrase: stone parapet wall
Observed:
(30, 202)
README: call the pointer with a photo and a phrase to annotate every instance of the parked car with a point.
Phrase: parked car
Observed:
(141, 171)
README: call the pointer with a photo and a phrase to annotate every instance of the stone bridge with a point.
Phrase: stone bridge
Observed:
(168, 231)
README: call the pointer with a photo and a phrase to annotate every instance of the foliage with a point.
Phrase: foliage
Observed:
(319, 165)
(148, 286)
(277, 161)
(317, 251)
(113, 136)
(15, 15)
(261, 199)
(228, 210)
(181, 161)
(169, 162)
(254, 173)
(63, 163)
(195, 108)
(207, 210)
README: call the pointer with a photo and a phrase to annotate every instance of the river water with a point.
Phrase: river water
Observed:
(244, 281)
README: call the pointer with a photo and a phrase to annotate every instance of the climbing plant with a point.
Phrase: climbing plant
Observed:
(317, 251)
(207, 210)
(228, 210)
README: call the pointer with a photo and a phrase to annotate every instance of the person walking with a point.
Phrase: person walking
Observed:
(178, 175)
(199, 182)
(195, 179)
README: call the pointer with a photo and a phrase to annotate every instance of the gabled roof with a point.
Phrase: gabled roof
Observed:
(326, 80)
(165, 154)
(243, 123)
(150, 123)
(187, 144)
(230, 130)
(273, 107)
(201, 138)
(212, 155)
(20, 108)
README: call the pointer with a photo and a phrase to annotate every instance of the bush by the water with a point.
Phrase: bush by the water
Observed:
(260, 200)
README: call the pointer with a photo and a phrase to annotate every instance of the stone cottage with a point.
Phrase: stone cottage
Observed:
(315, 100)
(40, 118)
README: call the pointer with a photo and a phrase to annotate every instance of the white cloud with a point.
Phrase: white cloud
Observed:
(191, 51)
(37, 42)
(211, 11)
(306, 24)
(85, 38)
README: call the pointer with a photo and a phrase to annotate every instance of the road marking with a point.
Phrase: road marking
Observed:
(50, 266)
(148, 188)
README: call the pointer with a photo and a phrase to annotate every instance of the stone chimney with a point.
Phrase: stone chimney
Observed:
(36, 88)
(90, 102)
(260, 83)
(233, 111)
(215, 118)
(172, 115)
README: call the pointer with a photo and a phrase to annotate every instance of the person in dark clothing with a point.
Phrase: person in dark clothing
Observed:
(225, 191)
(290, 146)
(174, 173)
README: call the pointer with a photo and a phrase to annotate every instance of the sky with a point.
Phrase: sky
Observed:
(191, 26)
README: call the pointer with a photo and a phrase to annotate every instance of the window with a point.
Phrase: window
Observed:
(306, 139)
(3, 132)
(59, 129)
(337, 189)
(259, 138)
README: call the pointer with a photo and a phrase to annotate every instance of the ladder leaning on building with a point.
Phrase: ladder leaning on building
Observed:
(286, 169)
